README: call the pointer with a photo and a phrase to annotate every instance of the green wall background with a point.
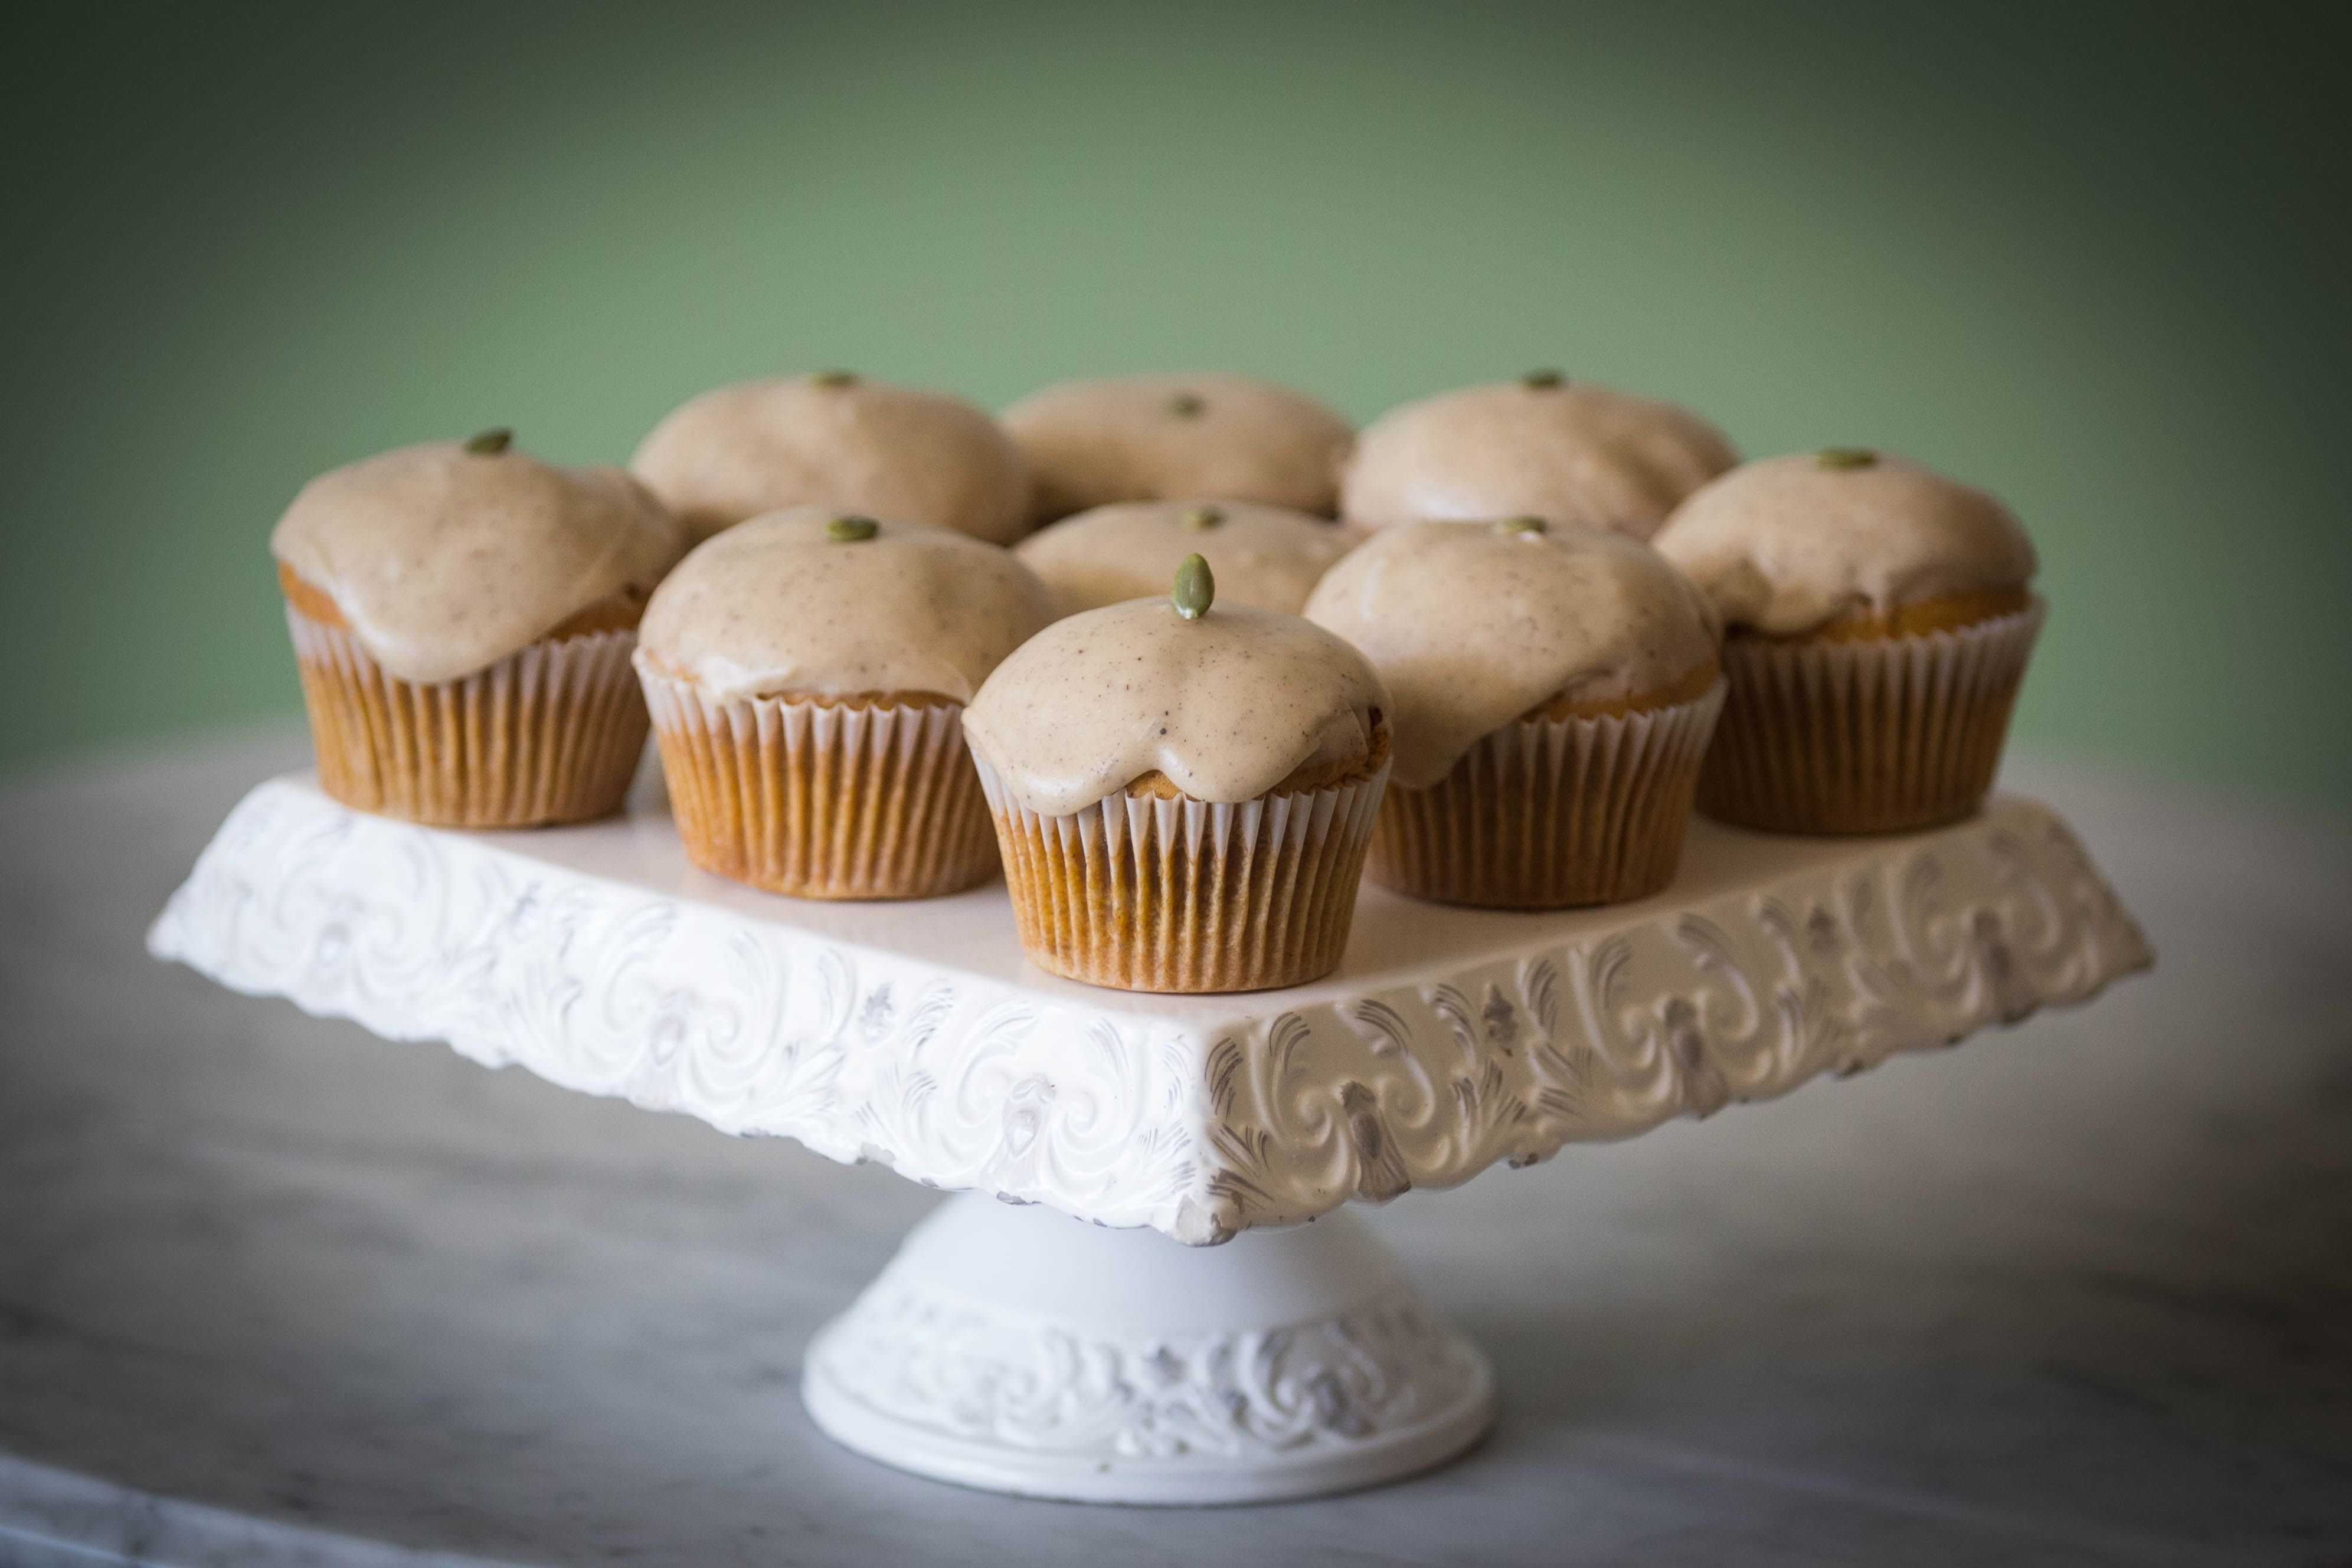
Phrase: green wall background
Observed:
(2088, 257)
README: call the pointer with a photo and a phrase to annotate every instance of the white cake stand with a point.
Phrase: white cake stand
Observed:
(1007, 1347)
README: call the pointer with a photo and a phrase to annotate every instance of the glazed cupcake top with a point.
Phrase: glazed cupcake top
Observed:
(835, 439)
(810, 601)
(1474, 624)
(1225, 704)
(446, 558)
(1540, 446)
(1156, 438)
(1267, 558)
(1786, 545)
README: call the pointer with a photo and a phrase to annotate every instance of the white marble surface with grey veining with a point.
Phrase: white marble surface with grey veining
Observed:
(275, 1292)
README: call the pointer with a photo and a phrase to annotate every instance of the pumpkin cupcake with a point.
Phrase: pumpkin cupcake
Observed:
(1268, 557)
(1182, 791)
(838, 440)
(1162, 437)
(1879, 622)
(1541, 446)
(1555, 686)
(806, 672)
(463, 616)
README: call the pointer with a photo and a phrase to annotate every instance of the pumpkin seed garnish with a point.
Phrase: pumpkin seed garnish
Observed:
(1185, 405)
(1844, 458)
(1201, 520)
(490, 442)
(833, 377)
(1539, 379)
(851, 528)
(1522, 526)
(1196, 589)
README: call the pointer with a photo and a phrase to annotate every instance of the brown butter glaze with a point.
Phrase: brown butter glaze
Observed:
(1474, 625)
(441, 561)
(1153, 437)
(1790, 545)
(1226, 708)
(841, 440)
(778, 607)
(1268, 557)
(1561, 451)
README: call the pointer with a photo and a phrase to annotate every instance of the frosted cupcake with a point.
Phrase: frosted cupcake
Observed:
(1182, 790)
(1268, 557)
(1555, 686)
(1163, 437)
(838, 440)
(1879, 623)
(1541, 446)
(463, 616)
(808, 671)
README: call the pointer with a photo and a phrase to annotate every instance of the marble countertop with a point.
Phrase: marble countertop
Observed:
(275, 1292)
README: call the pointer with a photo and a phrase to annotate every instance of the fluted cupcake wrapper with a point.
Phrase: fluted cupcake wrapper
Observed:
(1152, 895)
(551, 734)
(1866, 737)
(823, 799)
(1548, 813)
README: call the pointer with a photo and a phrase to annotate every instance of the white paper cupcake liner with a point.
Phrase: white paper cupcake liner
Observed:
(1872, 735)
(1155, 895)
(873, 799)
(549, 734)
(1548, 813)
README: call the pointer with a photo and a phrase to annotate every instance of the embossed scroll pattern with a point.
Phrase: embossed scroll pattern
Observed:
(947, 1366)
(1740, 998)
(759, 1027)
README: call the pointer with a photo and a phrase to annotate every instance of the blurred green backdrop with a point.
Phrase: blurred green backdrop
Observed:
(2087, 258)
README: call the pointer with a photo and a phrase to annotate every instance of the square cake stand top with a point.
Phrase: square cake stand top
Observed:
(916, 1034)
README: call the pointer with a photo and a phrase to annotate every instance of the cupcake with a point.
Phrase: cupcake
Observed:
(1541, 446)
(806, 672)
(836, 440)
(1555, 686)
(1182, 791)
(1879, 622)
(463, 616)
(1267, 558)
(1161, 438)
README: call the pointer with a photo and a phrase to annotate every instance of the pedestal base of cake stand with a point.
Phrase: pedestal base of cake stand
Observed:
(1017, 1350)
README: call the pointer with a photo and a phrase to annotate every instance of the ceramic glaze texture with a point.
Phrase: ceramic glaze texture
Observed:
(836, 440)
(780, 605)
(1449, 1041)
(1786, 544)
(1470, 625)
(443, 559)
(1543, 446)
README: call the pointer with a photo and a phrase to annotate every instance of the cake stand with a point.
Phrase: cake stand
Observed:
(1278, 1351)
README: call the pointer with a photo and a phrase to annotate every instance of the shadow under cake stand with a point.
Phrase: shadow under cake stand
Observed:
(1006, 1346)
